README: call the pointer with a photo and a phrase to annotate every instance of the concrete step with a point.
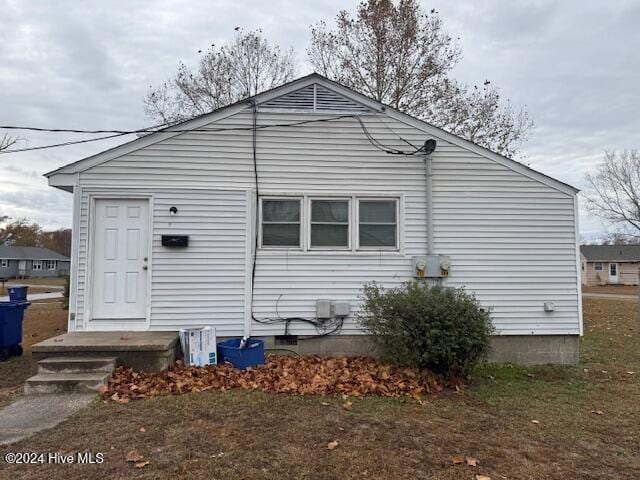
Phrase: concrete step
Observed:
(76, 365)
(85, 382)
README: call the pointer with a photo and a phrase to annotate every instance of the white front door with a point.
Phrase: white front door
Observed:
(614, 272)
(120, 262)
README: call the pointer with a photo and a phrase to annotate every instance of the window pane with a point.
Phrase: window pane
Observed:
(329, 235)
(329, 211)
(378, 211)
(280, 235)
(377, 235)
(281, 210)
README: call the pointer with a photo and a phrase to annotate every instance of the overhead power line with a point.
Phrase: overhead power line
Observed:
(168, 129)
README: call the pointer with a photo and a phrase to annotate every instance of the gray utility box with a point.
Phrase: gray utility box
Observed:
(431, 266)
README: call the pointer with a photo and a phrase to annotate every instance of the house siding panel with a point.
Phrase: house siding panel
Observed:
(511, 238)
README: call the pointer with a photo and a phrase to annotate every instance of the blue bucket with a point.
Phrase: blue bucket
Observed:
(230, 351)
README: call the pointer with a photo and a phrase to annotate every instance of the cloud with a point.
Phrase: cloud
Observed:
(88, 64)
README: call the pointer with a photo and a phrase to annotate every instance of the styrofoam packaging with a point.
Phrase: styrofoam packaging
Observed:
(199, 346)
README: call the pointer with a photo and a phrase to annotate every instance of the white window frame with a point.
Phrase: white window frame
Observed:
(36, 265)
(597, 266)
(349, 224)
(4, 262)
(52, 264)
(302, 223)
(396, 247)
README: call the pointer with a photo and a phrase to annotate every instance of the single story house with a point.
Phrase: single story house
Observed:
(32, 262)
(267, 217)
(610, 264)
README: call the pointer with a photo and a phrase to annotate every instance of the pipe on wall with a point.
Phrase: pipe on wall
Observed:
(428, 192)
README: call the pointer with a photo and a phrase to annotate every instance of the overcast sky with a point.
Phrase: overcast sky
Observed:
(574, 64)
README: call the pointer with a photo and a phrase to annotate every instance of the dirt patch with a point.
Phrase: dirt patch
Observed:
(59, 281)
(612, 290)
(43, 319)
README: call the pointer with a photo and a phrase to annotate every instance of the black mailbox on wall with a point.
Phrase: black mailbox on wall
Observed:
(175, 240)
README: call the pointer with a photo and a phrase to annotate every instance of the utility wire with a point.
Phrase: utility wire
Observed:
(155, 129)
(120, 133)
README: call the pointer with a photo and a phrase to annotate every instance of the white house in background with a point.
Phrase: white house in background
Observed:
(266, 218)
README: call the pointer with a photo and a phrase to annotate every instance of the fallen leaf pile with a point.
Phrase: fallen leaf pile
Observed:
(353, 376)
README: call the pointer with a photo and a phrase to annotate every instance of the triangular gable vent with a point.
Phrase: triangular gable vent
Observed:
(314, 98)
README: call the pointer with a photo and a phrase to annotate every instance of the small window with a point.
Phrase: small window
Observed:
(51, 264)
(4, 263)
(378, 223)
(597, 267)
(613, 269)
(37, 265)
(281, 222)
(330, 223)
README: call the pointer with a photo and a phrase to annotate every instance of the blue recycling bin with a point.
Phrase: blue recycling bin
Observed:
(230, 351)
(11, 316)
(18, 293)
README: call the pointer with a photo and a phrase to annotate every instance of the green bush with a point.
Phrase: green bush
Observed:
(439, 328)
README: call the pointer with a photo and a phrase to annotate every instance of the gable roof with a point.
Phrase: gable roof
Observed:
(611, 253)
(265, 98)
(30, 253)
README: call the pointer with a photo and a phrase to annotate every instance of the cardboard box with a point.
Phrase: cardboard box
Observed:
(199, 346)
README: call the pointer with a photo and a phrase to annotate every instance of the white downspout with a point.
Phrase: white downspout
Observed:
(428, 193)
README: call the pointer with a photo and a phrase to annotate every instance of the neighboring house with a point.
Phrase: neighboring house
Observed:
(30, 262)
(610, 264)
(318, 185)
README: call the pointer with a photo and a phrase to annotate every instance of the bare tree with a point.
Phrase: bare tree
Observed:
(7, 142)
(615, 191)
(401, 56)
(242, 68)
(615, 196)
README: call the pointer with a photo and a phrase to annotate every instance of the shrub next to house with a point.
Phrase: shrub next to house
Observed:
(439, 328)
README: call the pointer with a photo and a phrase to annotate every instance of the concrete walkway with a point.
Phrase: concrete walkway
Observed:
(611, 296)
(33, 413)
(52, 287)
(37, 296)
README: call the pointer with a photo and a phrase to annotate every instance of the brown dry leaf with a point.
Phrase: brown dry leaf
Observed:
(332, 445)
(457, 459)
(134, 456)
(102, 389)
(472, 462)
(344, 376)
(142, 464)
(482, 477)
(597, 412)
(535, 422)
(347, 405)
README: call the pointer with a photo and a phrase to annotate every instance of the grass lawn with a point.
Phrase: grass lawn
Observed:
(587, 422)
(43, 319)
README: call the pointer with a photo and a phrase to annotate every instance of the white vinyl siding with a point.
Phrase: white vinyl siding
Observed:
(199, 285)
(511, 238)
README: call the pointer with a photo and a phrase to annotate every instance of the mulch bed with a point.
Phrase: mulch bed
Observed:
(352, 376)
